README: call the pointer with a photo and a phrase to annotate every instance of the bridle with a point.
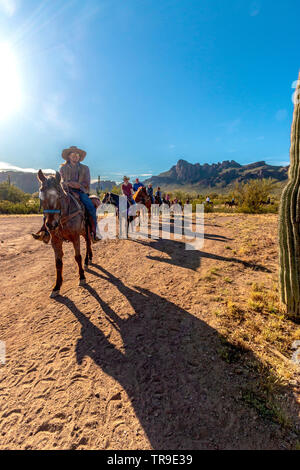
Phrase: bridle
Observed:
(110, 199)
(51, 211)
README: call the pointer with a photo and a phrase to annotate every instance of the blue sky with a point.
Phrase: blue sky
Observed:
(139, 84)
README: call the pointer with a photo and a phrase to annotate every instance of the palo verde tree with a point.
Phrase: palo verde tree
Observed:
(289, 223)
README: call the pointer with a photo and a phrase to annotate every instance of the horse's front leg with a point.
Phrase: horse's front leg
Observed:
(78, 258)
(58, 251)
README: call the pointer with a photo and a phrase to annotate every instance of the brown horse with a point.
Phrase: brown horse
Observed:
(142, 197)
(66, 221)
(230, 204)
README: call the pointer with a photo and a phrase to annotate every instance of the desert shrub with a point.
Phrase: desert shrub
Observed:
(180, 195)
(214, 196)
(25, 207)
(115, 190)
(250, 195)
(208, 208)
(9, 192)
(195, 202)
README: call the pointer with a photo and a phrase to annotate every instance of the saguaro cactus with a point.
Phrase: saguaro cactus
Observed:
(289, 223)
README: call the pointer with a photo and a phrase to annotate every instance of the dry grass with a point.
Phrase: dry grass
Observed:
(251, 319)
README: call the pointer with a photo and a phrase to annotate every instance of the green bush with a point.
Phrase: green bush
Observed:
(195, 202)
(250, 195)
(116, 190)
(214, 196)
(208, 208)
(9, 192)
(27, 207)
(180, 196)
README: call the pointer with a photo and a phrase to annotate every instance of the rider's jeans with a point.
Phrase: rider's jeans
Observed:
(84, 198)
(131, 200)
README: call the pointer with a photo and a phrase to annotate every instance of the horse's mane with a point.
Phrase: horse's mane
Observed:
(137, 193)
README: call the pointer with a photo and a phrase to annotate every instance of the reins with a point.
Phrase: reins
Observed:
(65, 219)
(68, 217)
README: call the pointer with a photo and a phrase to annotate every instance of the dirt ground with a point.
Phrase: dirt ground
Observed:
(131, 360)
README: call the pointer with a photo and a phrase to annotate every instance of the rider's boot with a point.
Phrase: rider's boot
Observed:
(42, 235)
(95, 234)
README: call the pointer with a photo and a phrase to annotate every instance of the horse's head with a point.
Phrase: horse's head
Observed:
(141, 194)
(111, 198)
(50, 195)
(106, 199)
(143, 191)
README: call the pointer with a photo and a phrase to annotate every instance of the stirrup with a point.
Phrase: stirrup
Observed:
(42, 236)
(37, 236)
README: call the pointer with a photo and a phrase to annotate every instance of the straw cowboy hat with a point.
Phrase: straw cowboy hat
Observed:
(65, 153)
(125, 178)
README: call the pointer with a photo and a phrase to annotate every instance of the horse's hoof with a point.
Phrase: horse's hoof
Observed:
(54, 293)
(82, 282)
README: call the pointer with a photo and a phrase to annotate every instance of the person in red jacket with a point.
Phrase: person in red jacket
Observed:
(127, 190)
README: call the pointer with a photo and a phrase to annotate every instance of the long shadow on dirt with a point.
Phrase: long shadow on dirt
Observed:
(179, 256)
(183, 393)
(217, 238)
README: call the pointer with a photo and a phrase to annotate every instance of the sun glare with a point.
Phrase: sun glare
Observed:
(10, 88)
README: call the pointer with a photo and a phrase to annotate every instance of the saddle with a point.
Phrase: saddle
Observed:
(74, 196)
(95, 199)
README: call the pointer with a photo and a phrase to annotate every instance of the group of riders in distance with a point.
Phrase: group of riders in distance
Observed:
(74, 180)
(130, 191)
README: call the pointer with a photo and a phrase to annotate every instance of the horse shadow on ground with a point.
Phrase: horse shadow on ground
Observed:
(191, 259)
(217, 238)
(184, 394)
